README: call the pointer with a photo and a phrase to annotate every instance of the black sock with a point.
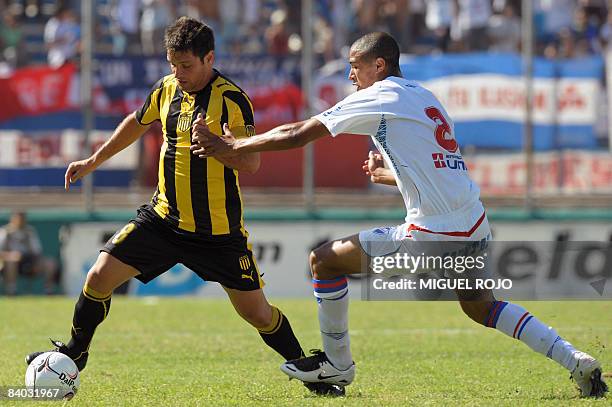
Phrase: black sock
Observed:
(89, 311)
(280, 337)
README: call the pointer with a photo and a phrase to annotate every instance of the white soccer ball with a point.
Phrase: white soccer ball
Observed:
(51, 371)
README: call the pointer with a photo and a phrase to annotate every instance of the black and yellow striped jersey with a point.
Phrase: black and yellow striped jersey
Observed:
(195, 194)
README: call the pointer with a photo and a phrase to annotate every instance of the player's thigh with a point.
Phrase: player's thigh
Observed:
(337, 257)
(142, 249)
(251, 305)
(227, 261)
(108, 273)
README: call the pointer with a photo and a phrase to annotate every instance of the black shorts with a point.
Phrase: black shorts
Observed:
(27, 264)
(150, 245)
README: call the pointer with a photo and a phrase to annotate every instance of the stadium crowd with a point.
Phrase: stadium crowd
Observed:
(39, 31)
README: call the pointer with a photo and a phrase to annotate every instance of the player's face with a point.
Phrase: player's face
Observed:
(191, 72)
(364, 72)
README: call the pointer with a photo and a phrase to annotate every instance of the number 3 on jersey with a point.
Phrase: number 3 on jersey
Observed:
(444, 134)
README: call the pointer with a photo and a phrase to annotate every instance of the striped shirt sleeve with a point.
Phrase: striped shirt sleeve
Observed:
(240, 114)
(149, 112)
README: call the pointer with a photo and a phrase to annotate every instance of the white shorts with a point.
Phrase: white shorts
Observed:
(387, 240)
(421, 241)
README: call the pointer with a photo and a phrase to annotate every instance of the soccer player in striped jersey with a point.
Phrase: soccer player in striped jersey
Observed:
(415, 137)
(195, 215)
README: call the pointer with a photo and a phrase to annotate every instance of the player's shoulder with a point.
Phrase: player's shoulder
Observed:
(167, 80)
(369, 94)
(227, 85)
(164, 82)
(400, 90)
(400, 85)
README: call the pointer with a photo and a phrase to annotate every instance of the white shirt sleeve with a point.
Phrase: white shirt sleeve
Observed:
(3, 239)
(358, 113)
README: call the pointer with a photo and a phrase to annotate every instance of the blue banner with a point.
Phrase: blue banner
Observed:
(485, 97)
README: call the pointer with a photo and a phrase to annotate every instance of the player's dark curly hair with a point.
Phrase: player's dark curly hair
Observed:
(380, 45)
(189, 34)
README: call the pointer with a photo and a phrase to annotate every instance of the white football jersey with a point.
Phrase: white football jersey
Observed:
(415, 135)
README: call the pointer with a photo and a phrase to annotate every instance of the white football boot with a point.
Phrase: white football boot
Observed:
(587, 375)
(317, 368)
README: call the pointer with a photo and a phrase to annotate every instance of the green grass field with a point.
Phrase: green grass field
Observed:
(192, 352)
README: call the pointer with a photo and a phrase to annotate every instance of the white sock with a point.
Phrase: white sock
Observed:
(515, 321)
(333, 299)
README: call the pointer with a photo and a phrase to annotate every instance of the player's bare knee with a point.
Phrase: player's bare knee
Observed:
(98, 279)
(312, 261)
(317, 266)
(258, 317)
(320, 266)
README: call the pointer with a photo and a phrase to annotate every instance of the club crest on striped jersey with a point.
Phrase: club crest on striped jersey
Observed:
(184, 122)
(250, 130)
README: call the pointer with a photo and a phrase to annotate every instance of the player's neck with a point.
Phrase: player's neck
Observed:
(205, 81)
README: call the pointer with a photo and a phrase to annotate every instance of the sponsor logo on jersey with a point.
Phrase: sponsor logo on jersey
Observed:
(332, 111)
(450, 161)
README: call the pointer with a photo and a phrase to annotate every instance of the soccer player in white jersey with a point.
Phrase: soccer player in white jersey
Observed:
(414, 135)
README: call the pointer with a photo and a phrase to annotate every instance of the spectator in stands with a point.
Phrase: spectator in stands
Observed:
(156, 15)
(21, 254)
(553, 16)
(415, 26)
(586, 30)
(277, 34)
(230, 12)
(251, 12)
(567, 46)
(605, 32)
(125, 26)
(323, 41)
(210, 13)
(438, 19)
(11, 40)
(62, 37)
(393, 14)
(366, 18)
(471, 24)
(505, 30)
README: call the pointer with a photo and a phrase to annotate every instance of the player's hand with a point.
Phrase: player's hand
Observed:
(374, 167)
(77, 170)
(373, 162)
(207, 144)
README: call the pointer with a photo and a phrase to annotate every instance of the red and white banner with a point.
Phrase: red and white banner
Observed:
(495, 97)
(500, 97)
(56, 149)
(569, 172)
(36, 91)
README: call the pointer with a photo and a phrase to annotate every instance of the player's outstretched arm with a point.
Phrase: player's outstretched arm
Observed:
(285, 137)
(128, 131)
(248, 162)
(374, 167)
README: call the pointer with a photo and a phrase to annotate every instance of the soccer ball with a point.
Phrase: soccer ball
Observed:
(54, 372)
